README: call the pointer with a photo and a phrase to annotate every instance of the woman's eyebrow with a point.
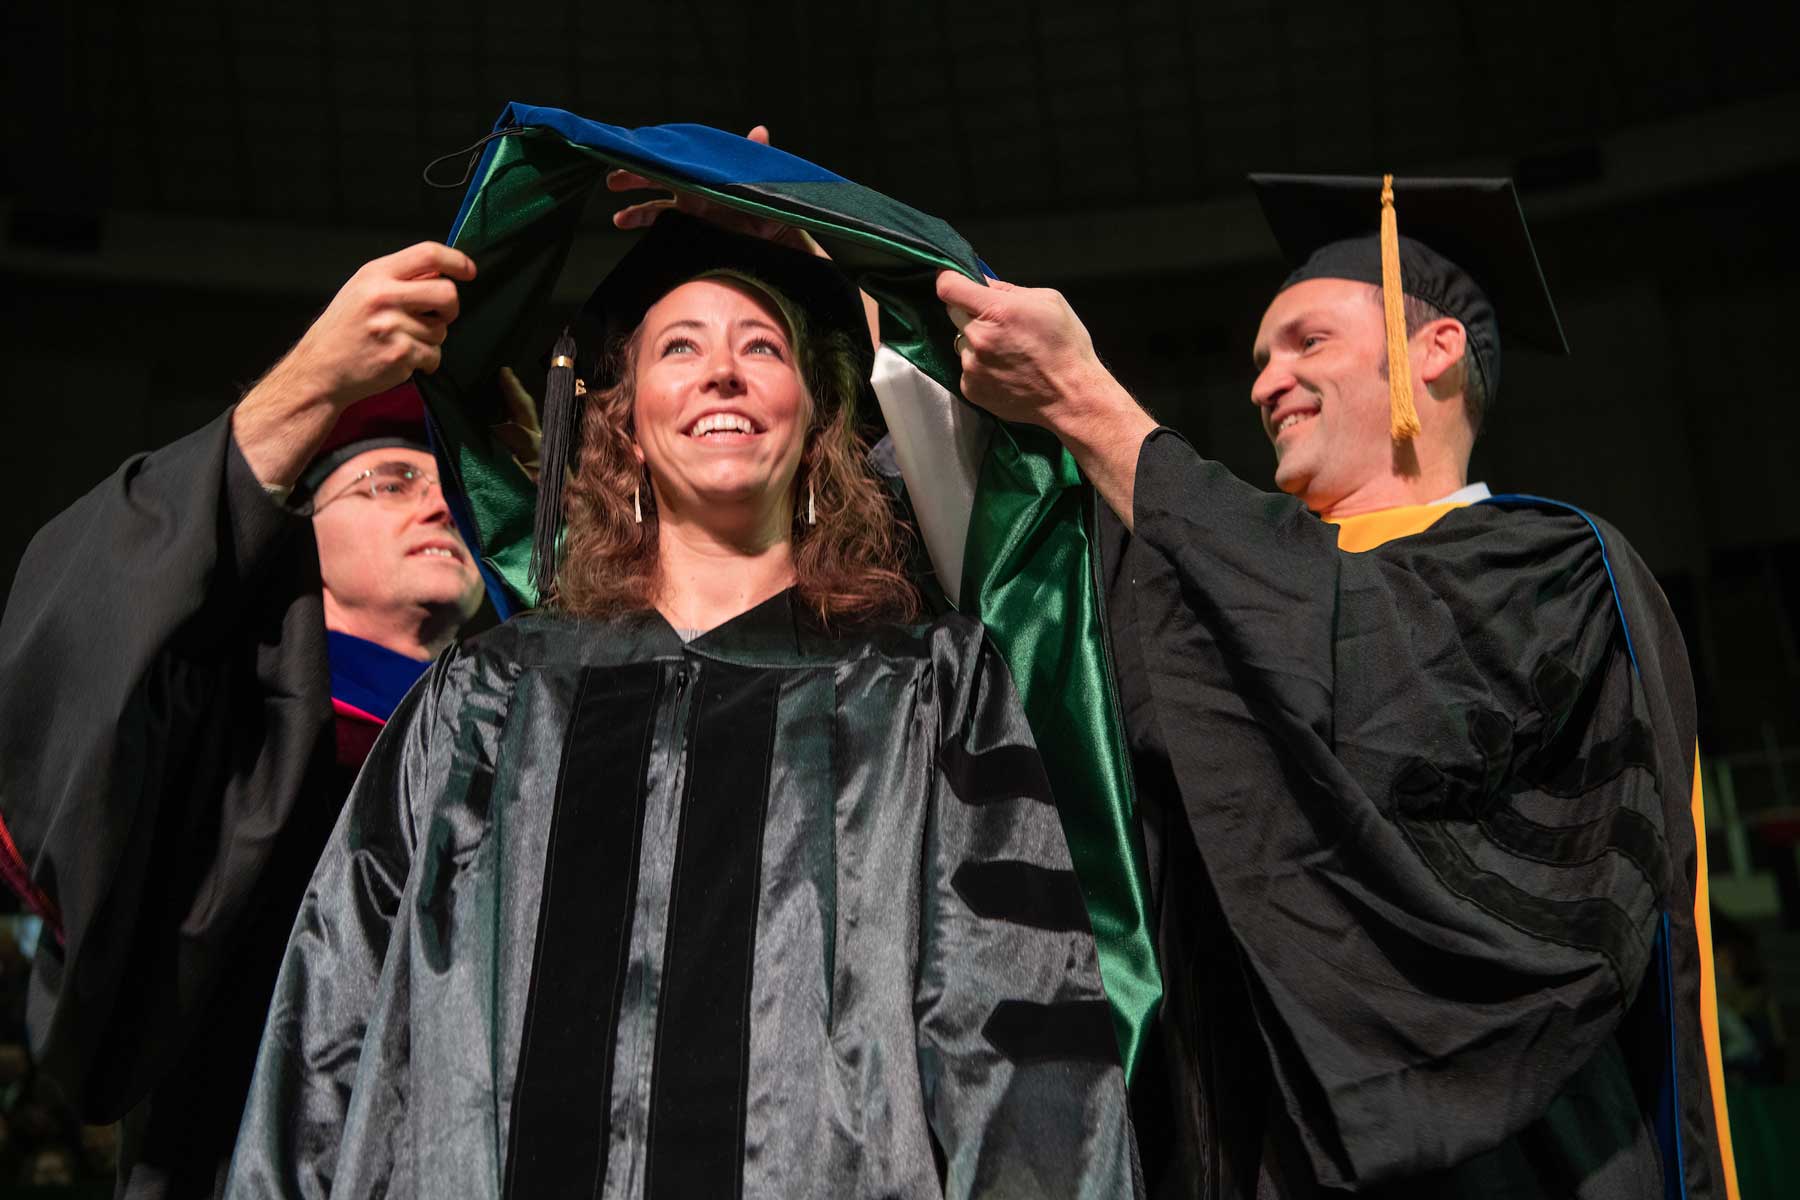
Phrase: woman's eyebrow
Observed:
(681, 323)
(760, 323)
(741, 322)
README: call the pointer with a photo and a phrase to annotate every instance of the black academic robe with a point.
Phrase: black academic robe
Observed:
(1419, 817)
(168, 776)
(772, 913)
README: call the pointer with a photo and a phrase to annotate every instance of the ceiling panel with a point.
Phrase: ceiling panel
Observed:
(326, 112)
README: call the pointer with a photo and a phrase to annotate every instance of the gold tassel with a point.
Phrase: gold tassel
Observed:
(1403, 417)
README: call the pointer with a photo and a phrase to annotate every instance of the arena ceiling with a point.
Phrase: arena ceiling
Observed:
(323, 114)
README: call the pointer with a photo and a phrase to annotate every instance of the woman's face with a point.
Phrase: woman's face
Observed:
(721, 412)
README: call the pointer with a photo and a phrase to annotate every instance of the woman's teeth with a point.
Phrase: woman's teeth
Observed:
(437, 550)
(721, 423)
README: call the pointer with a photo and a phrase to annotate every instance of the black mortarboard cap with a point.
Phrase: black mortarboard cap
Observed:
(676, 249)
(1464, 249)
(670, 253)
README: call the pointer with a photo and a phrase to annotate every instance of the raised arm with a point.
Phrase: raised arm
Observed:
(164, 695)
(387, 321)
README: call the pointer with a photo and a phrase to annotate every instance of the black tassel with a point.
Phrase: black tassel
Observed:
(561, 424)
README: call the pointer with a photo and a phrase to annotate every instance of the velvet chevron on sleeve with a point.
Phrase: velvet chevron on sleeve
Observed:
(1016, 1048)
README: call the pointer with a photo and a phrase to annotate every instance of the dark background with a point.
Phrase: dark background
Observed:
(185, 184)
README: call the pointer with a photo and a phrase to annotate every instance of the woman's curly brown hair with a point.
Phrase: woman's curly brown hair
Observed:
(848, 566)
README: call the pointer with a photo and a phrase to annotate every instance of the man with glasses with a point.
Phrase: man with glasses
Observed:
(396, 580)
(395, 572)
(194, 660)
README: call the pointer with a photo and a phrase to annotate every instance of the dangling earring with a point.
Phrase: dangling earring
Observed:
(811, 518)
(637, 504)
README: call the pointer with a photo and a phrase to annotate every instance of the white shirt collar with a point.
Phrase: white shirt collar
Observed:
(1466, 495)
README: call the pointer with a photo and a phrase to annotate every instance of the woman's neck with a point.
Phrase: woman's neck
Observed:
(706, 580)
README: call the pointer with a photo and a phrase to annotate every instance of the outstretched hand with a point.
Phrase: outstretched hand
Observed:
(388, 320)
(1027, 357)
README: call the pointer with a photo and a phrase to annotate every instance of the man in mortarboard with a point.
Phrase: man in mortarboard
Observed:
(1417, 764)
(194, 660)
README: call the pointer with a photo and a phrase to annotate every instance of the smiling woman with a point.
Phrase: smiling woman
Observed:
(710, 877)
(731, 420)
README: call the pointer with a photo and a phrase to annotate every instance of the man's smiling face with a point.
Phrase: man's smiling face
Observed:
(1322, 391)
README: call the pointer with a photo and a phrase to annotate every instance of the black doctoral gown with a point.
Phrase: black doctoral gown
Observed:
(1421, 826)
(168, 777)
(772, 913)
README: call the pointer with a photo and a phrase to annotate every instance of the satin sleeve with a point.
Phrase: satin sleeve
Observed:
(1023, 1087)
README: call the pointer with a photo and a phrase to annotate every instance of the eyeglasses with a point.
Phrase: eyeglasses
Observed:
(390, 484)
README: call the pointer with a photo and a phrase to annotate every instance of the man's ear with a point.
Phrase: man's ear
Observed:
(1443, 343)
